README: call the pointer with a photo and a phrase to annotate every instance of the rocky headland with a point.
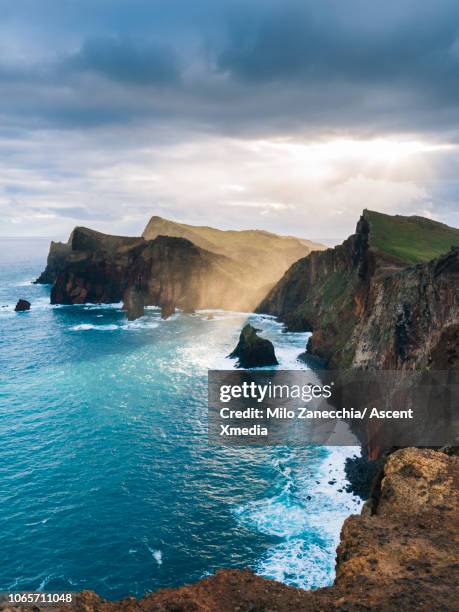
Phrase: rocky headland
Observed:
(399, 554)
(267, 253)
(171, 266)
(386, 298)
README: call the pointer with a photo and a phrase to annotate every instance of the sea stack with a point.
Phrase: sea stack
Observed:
(167, 310)
(22, 306)
(253, 351)
(133, 303)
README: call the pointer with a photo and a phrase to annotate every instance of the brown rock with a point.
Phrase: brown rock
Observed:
(252, 351)
(22, 305)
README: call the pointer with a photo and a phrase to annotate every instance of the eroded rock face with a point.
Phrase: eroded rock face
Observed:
(253, 351)
(400, 554)
(22, 306)
(190, 267)
(371, 308)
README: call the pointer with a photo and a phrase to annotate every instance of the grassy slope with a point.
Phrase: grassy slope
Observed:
(410, 239)
(267, 255)
(227, 241)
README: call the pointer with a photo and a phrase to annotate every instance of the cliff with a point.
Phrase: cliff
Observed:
(378, 300)
(399, 554)
(267, 253)
(58, 252)
(163, 271)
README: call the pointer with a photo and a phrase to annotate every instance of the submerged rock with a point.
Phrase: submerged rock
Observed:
(22, 306)
(253, 351)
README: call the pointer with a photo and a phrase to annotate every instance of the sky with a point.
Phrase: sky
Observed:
(285, 115)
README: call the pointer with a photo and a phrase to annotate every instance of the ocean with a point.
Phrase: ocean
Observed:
(107, 479)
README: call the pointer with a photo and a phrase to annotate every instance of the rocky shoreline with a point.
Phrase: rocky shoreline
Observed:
(385, 299)
(399, 554)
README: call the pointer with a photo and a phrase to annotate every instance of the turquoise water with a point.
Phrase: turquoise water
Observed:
(107, 480)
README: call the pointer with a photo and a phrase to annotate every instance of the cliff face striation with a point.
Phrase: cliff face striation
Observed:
(386, 298)
(400, 554)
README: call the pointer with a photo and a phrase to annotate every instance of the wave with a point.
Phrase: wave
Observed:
(88, 326)
(139, 324)
(306, 509)
(142, 323)
(299, 563)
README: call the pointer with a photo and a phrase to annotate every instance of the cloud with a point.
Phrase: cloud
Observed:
(260, 66)
(111, 111)
(115, 181)
(126, 61)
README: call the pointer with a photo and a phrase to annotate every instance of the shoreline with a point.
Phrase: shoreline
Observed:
(381, 558)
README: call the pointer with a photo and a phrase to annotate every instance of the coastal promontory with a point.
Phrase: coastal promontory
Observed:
(171, 266)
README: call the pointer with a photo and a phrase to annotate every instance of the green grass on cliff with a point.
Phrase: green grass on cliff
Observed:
(410, 239)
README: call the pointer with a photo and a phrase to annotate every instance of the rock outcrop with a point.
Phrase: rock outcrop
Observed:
(133, 303)
(167, 310)
(57, 256)
(400, 554)
(376, 300)
(22, 305)
(253, 351)
(167, 272)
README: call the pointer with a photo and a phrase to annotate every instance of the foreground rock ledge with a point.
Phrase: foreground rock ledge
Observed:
(400, 554)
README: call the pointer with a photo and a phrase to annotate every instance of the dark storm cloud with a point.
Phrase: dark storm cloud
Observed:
(267, 66)
(126, 61)
(404, 47)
